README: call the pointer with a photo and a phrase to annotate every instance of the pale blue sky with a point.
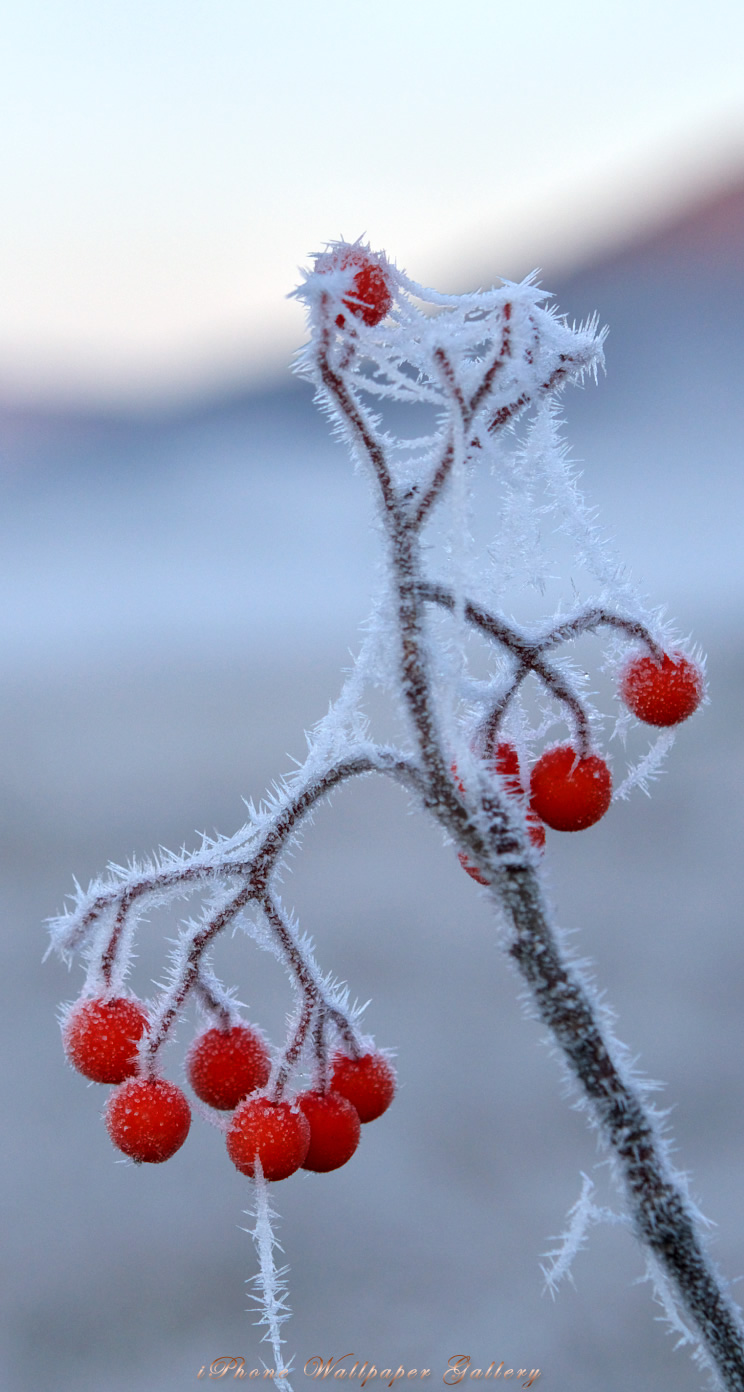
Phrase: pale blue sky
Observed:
(167, 164)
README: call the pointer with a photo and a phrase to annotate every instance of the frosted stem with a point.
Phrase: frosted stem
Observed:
(271, 1285)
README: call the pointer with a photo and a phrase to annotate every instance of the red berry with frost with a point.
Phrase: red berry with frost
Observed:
(224, 1065)
(367, 1082)
(570, 793)
(275, 1133)
(471, 869)
(148, 1119)
(334, 1130)
(369, 296)
(535, 829)
(100, 1038)
(662, 692)
(504, 762)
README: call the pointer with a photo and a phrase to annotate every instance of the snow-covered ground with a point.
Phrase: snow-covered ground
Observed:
(178, 601)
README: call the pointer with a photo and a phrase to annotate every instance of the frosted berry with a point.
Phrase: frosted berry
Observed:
(100, 1038)
(224, 1065)
(334, 1130)
(569, 793)
(148, 1119)
(369, 297)
(275, 1133)
(471, 869)
(662, 693)
(505, 762)
(367, 1082)
(535, 829)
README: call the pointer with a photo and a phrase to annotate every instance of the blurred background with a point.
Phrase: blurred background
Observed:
(185, 564)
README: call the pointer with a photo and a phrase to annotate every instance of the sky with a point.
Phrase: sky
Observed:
(167, 165)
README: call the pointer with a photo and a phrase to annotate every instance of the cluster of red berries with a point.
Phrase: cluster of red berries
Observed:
(569, 791)
(149, 1118)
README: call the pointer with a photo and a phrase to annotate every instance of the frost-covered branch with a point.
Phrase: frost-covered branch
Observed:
(484, 366)
(171, 876)
(271, 1289)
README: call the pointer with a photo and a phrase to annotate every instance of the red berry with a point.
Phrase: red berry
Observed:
(334, 1130)
(662, 693)
(148, 1118)
(567, 792)
(275, 1133)
(224, 1065)
(101, 1037)
(369, 296)
(367, 1082)
(466, 863)
(471, 870)
(504, 762)
(535, 829)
